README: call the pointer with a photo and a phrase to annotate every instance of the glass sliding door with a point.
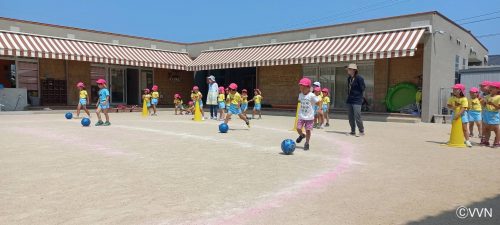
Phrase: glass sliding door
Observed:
(117, 85)
(146, 79)
(327, 80)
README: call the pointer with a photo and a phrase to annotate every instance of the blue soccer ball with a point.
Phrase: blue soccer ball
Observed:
(288, 146)
(69, 115)
(223, 127)
(85, 122)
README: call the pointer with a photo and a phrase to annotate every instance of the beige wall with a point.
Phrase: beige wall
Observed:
(77, 72)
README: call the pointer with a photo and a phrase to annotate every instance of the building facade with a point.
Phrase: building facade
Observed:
(426, 49)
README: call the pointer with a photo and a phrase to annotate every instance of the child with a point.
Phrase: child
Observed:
(491, 115)
(84, 100)
(228, 101)
(257, 98)
(103, 103)
(189, 109)
(484, 86)
(306, 112)
(318, 110)
(147, 98)
(196, 96)
(458, 100)
(234, 107)
(326, 106)
(221, 102)
(475, 112)
(154, 101)
(178, 104)
(244, 102)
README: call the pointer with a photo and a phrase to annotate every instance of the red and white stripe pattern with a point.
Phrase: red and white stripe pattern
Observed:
(398, 43)
(28, 45)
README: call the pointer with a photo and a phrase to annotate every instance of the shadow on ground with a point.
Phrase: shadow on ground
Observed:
(450, 216)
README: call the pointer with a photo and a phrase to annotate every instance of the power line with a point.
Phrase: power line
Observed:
(477, 21)
(488, 35)
(486, 14)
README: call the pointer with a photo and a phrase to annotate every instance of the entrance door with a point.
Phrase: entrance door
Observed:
(133, 92)
(117, 85)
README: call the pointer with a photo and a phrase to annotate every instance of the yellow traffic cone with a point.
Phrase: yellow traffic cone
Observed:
(197, 111)
(457, 139)
(296, 118)
(144, 108)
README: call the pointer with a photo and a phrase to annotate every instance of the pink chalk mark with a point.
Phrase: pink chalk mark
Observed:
(314, 184)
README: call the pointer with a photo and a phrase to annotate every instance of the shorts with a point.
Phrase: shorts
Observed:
(234, 109)
(148, 104)
(154, 101)
(316, 108)
(465, 117)
(257, 106)
(103, 106)
(179, 107)
(474, 116)
(83, 102)
(222, 105)
(325, 107)
(244, 107)
(491, 117)
(307, 124)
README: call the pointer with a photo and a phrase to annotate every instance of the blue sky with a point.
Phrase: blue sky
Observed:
(191, 20)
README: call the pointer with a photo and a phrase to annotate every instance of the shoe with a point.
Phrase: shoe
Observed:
(107, 123)
(351, 133)
(327, 125)
(485, 143)
(495, 145)
(202, 118)
(356, 135)
(468, 144)
(248, 124)
(99, 123)
(306, 146)
(299, 139)
(322, 127)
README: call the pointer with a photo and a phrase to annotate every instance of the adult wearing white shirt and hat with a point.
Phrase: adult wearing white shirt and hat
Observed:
(213, 92)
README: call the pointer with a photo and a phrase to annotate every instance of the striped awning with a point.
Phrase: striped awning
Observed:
(28, 45)
(368, 46)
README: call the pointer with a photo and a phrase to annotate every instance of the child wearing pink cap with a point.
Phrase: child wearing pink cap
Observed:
(326, 106)
(196, 96)
(221, 103)
(234, 108)
(178, 104)
(491, 115)
(83, 100)
(306, 112)
(484, 87)
(474, 112)
(318, 109)
(257, 99)
(103, 103)
(154, 98)
(146, 97)
(458, 100)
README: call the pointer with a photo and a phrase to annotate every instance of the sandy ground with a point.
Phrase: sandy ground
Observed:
(171, 170)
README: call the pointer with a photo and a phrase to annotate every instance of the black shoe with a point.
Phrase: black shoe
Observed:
(327, 125)
(352, 133)
(248, 124)
(299, 139)
(306, 146)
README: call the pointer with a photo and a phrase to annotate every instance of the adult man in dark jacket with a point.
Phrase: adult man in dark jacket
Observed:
(355, 89)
